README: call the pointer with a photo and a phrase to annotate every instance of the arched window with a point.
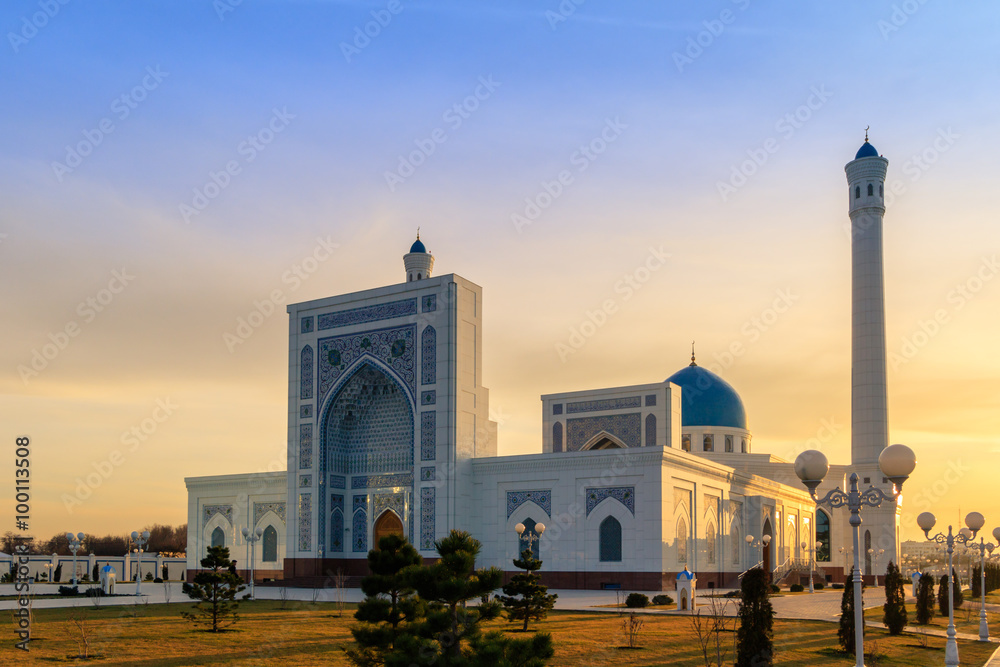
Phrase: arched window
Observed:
(729, 443)
(871, 190)
(710, 542)
(218, 538)
(735, 540)
(822, 536)
(650, 430)
(525, 541)
(557, 437)
(857, 192)
(686, 442)
(881, 191)
(610, 536)
(743, 445)
(709, 442)
(269, 548)
(682, 541)
(418, 276)
(337, 531)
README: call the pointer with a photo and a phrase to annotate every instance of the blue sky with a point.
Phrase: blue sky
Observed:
(919, 74)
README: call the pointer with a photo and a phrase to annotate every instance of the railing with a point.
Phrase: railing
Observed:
(759, 563)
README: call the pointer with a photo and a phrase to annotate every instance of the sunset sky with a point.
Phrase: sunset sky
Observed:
(166, 168)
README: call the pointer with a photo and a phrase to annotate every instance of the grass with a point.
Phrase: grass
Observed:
(309, 634)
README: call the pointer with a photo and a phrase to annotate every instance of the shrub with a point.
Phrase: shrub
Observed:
(67, 590)
(894, 609)
(157, 581)
(818, 585)
(925, 599)
(754, 635)
(94, 592)
(775, 588)
(796, 588)
(148, 577)
(662, 599)
(636, 600)
(836, 587)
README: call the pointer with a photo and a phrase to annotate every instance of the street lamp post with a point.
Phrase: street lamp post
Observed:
(139, 541)
(532, 536)
(810, 552)
(74, 546)
(896, 463)
(982, 548)
(759, 544)
(875, 553)
(847, 557)
(252, 538)
(974, 521)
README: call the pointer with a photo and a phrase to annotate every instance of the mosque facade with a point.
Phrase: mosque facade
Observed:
(389, 431)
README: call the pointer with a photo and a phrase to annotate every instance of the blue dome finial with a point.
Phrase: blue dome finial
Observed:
(418, 245)
(866, 150)
(692, 355)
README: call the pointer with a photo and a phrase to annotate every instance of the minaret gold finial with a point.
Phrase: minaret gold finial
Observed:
(866, 134)
(692, 355)
(418, 228)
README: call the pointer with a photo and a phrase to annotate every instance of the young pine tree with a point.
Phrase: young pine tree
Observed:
(451, 635)
(845, 633)
(215, 588)
(754, 637)
(390, 604)
(525, 598)
(959, 598)
(894, 609)
(942, 595)
(925, 599)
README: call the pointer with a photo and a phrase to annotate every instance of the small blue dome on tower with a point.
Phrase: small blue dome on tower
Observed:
(418, 246)
(866, 150)
(708, 400)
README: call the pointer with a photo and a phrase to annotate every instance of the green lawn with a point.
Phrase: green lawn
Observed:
(311, 634)
(966, 618)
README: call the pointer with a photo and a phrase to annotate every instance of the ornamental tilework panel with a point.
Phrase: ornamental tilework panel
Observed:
(623, 494)
(305, 412)
(651, 430)
(428, 397)
(337, 532)
(375, 481)
(260, 509)
(337, 502)
(393, 346)
(359, 502)
(338, 482)
(651, 400)
(306, 373)
(307, 325)
(429, 303)
(393, 501)
(428, 356)
(542, 498)
(626, 428)
(359, 530)
(305, 480)
(305, 521)
(427, 514)
(305, 446)
(557, 408)
(428, 473)
(385, 311)
(208, 511)
(605, 404)
(428, 435)
(557, 432)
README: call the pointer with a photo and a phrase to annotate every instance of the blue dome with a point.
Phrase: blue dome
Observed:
(418, 246)
(708, 400)
(866, 150)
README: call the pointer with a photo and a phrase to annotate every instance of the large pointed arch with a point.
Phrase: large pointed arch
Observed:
(604, 440)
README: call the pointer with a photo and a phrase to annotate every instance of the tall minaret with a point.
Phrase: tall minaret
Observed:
(418, 262)
(869, 418)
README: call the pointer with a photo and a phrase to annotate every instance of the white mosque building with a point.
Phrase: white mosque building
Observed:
(389, 432)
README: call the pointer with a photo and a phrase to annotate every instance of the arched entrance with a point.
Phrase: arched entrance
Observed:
(766, 551)
(387, 524)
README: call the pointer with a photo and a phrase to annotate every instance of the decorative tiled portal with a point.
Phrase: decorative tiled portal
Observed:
(627, 428)
(541, 497)
(623, 494)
